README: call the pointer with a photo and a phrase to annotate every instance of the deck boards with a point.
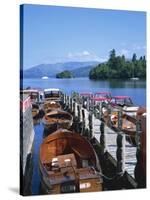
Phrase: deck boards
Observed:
(111, 146)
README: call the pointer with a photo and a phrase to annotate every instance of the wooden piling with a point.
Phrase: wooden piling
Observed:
(88, 104)
(91, 130)
(102, 138)
(79, 114)
(71, 104)
(139, 173)
(120, 154)
(83, 122)
(64, 99)
(119, 120)
(100, 110)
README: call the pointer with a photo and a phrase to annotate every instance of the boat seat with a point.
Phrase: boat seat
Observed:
(67, 160)
(82, 155)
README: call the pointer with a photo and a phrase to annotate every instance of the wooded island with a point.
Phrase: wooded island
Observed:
(64, 74)
(118, 67)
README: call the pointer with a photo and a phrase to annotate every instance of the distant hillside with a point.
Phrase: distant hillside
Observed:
(82, 71)
(51, 70)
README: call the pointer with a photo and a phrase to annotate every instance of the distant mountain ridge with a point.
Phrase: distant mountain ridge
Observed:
(79, 69)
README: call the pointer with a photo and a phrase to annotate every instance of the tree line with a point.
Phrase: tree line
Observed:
(118, 67)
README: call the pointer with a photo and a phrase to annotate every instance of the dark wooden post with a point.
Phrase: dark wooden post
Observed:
(74, 104)
(64, 99)
(68, 102)
(83, 122)
(100, 110)
(138, 168)
(91, 125)
(75, 108)
(88, 104)
(102, 137)
(119, 120)
(79, 114)
(120, 154)
(71, 104)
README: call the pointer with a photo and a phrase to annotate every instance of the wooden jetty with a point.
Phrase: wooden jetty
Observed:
(123, 163)
(112, 146)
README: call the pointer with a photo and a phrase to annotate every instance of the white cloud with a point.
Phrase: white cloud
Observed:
(79, 54)
(84, 56)
(85, 53)
(124, 52)
(139, 47)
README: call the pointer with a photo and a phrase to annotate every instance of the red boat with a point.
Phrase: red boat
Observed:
(121, 101)
(103, 94)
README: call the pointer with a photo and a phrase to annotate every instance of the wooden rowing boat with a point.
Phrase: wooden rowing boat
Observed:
(140, 169)
(57, 118)
(52, 94)
(35, 111)
(68, 163)
(51, 105)
(128, 123)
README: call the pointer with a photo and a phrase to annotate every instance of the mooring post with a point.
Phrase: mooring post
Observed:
(73, 108)
(68, 102)
(102, 138)
(63, 98)
(64, 101)
(119, 120)
(88, 104)
(79, 114)
(91, 124)
(71, 104)
(83, 121)
(138, 134)
(110, 109)
(100, 110)
(120, 154)
(137, 171)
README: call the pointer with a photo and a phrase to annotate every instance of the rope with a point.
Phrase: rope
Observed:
(119, 175)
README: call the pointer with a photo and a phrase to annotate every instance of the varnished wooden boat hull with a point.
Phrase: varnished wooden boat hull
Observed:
(77, 177)
(35, 113)
(128, 126)
(51, 105)
(57, 119)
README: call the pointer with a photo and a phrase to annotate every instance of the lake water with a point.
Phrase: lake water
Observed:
(135, 89)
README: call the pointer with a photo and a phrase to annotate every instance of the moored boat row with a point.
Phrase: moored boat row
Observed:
(67, 161)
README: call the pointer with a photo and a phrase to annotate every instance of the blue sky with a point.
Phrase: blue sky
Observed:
(58, 34)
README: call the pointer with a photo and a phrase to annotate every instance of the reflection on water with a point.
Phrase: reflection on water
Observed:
(38, 129)
(135, 89)
(119, 83)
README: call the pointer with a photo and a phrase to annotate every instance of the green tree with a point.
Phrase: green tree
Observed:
(118, 67)
(64, 74)
(134, 57)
